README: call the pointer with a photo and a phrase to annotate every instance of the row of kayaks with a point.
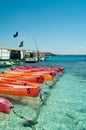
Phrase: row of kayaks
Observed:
(26, 80)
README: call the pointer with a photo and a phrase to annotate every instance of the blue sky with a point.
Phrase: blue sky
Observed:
(58, 26)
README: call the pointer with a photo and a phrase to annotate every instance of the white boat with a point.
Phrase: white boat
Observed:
(31, 56)
(41, 58)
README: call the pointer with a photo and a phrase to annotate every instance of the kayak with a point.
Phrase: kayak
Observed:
(5, 105)
(19, 90)
(15, 74)
(18, 82)
(37, 68)
(34, 79)
(42, 70)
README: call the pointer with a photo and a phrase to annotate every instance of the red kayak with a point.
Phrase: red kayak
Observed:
(5, 105)
(50, 72)
(36, 68)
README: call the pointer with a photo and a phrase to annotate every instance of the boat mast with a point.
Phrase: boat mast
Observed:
(38, 52)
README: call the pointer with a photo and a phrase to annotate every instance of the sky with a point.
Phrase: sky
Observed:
(57, 26)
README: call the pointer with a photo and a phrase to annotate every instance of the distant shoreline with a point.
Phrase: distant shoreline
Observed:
(52, 54)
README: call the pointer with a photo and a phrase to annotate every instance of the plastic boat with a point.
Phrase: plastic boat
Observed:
(34, 79)
(19, 90)
(5, 105)
(36, 68)
(15, 74)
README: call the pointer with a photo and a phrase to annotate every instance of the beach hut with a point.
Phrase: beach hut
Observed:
(16, 54)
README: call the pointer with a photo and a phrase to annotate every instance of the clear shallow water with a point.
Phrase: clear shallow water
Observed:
(65, 102)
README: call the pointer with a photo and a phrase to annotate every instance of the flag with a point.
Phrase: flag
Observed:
(21, 44)
(15, 35)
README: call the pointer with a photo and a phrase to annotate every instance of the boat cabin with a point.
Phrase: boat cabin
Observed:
(30, 56)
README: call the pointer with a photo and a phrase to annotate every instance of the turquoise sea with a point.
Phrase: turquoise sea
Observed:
(63, 104)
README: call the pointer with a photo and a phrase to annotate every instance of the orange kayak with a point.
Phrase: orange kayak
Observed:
(47, 77)
(18, 82)
(19, 90)
(34, 79)
(15, 74)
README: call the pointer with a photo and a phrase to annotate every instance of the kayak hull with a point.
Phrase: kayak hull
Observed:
(19, 90)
